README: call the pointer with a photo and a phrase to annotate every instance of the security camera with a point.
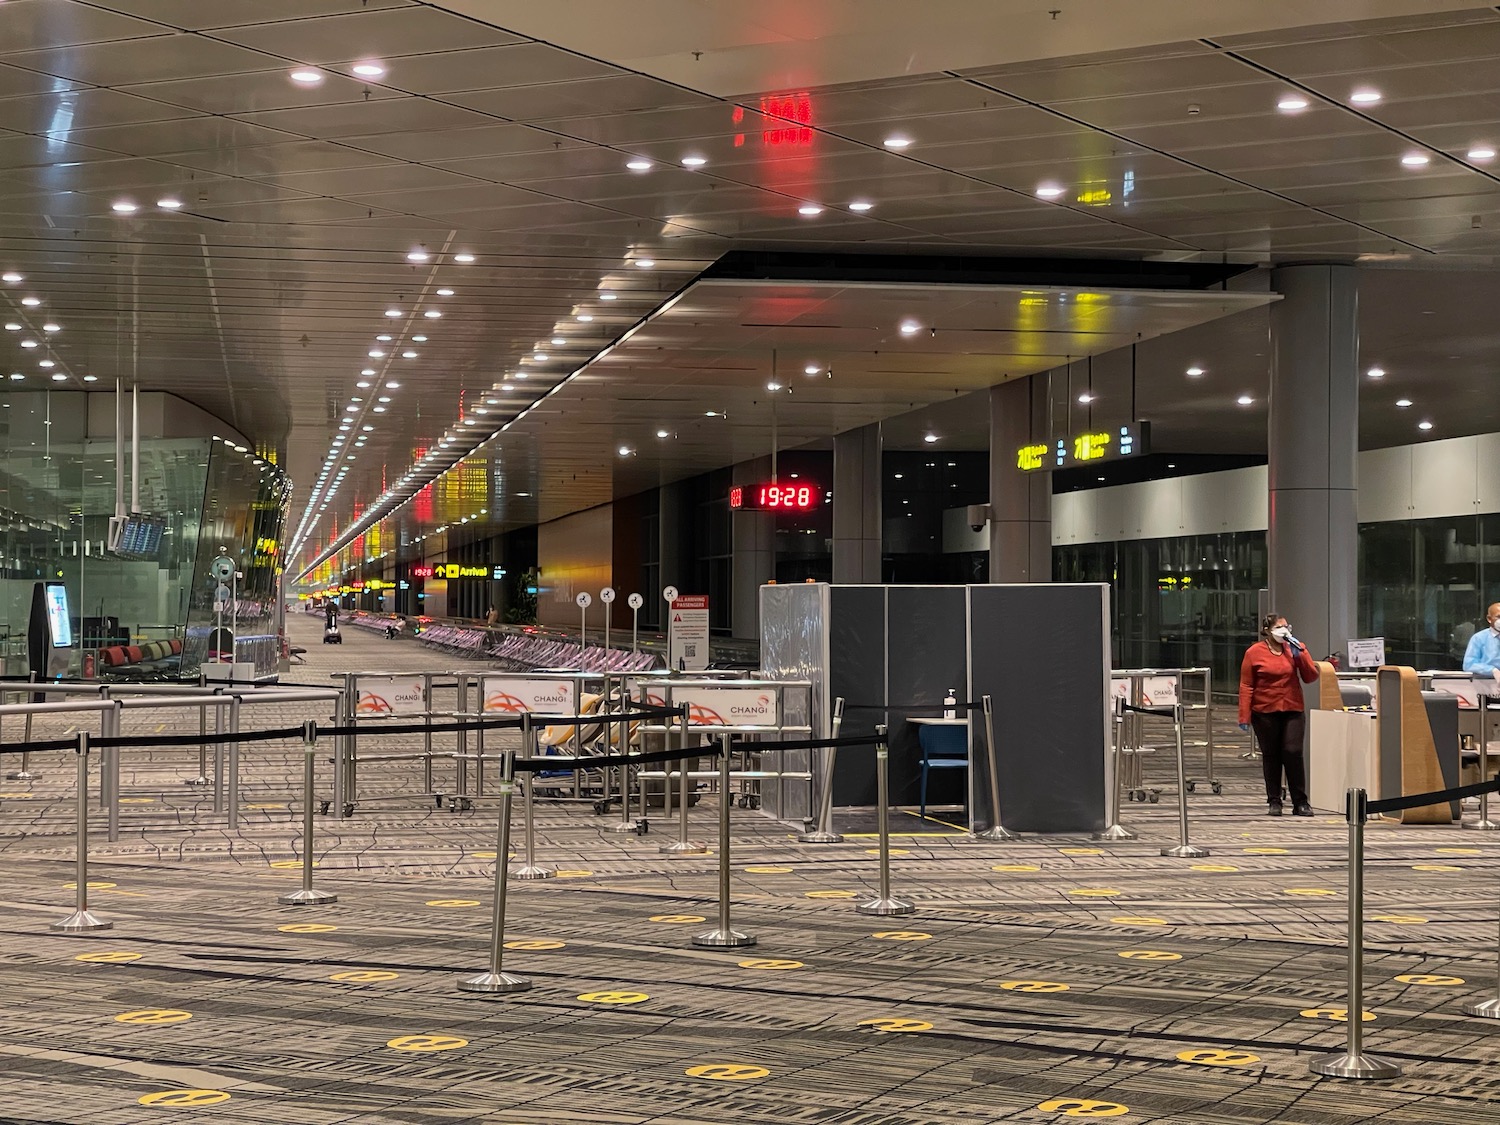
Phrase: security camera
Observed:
(979, 515)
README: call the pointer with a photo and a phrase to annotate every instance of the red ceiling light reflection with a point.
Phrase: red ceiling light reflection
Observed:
(795, 114)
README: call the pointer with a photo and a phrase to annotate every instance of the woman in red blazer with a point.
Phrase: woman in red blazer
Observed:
(1271, 678)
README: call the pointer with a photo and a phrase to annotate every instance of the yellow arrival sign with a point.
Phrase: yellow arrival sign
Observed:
(895, 1023)
(364, 976)
(727, 1072)
(426, 1043)
(183, 1099)
(614, 997)
(1034, 986)
(154, 1015)
(108, 957)
(1083, 1107)
(1209, 1057)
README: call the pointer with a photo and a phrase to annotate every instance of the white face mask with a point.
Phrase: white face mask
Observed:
(1495, 625)
(1281, 632)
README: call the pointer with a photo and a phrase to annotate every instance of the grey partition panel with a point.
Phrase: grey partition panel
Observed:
(794, 646)
(1041, 652)
(856, 672)
(1442, 719)
(927, 654)
(1388, 730)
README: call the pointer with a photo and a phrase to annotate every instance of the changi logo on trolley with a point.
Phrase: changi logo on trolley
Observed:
(504, 701)
(372, 704)
(701, 715)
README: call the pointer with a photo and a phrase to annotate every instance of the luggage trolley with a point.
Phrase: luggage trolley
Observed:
(371, 698)
(749, 707)
(1139, 688)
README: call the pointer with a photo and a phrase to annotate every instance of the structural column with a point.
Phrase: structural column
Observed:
(858, 517)
(1313, 444)
(1020, 502)
(754, 540)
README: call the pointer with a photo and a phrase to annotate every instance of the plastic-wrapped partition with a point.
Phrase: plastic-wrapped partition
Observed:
(794, 646)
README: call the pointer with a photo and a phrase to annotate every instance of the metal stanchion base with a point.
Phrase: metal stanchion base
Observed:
(494, 982)
(885, 907)
(1482, 825)
(684, 847)
(998, 832)
(81, 922)
(307, 898)
(1345, 1065)
(23, 775)
(531, 873)
(724, 939)
(819, 838)
(626, 826)
(196, 781)
(1185, 851)
(1114, 832)
(1249, 755)
(1485, 1009)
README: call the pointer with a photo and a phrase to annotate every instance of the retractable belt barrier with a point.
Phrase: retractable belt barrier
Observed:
(918, 708)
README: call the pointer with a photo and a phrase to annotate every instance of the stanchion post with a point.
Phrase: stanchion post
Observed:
(25, 773)
(340, 743)
(1486, 727)
(202, 778)
(219, 719)
(1352, 1062)
(234, 763)
(81, 921)
(529, 868)
(1183, 849)
(625, 824)
(307, 896)
(1208, 728)
(427, 734)
(682, 845)
(109, 763)
(883, 905)
(996, 830)
(723, 936)
(1116, 830)
(497, 979)
(828, 759)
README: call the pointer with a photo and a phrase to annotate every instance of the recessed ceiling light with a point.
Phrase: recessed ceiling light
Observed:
(378, 409)
(471, 422)
(385, 338)
(662, 434)
(1292, 103)
(639, 165)
(432, 314)
(408, 355)
(351, 409)
(463, 258)
(1402, 403)
(31, 302)
(419, 339)
(306, 77)
(811, 369)
(376, 353)
(644, 263)
(773, 386)
(930, 438)
(59, 377)
(1195, 371)
(11, 277)
(384, 398)
(1478, 152)
(1085, 398)
(417, 255)
(1424, 425)
(558, 341)
(91, 378)
(897, 142)
(809, 209)
(1244, 400)
(910, 328)
(368, 69)
(28, 343)
(1416, 159)
(520, 375)
(12, 326)
(17, 376)
(445, 292)
(393, 385)
(694, 161)
(368, 371)
(608, 296)
(540, 357)
(123, 206)
(1048, 191)
(1376, 373)
(169, 203)
(584, 317)
(46, 363)
(1365, 96)
(393, 313)
(710, 414)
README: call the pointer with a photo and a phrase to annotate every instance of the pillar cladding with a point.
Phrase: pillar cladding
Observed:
(1313, 444)
(753, 537)
(858, 518)
(1020, 502)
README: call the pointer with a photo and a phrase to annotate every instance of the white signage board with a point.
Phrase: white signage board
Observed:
(689, 633)
(1158, 691)
(1119, 688)
(1468, 691)
(390, 695)
(515, 694)
(727, 707)
(1368, 652)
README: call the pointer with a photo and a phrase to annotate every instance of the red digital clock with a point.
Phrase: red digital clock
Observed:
(775, 498)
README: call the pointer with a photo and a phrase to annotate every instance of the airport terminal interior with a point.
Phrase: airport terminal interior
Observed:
(677, 562)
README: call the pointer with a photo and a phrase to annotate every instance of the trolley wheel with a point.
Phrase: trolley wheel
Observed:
(1218, 788)
(1153, 796)
(601, 807)
(324, 806)
(1192, 787)
(461, 804)
(349, 809)
(753, 801)
(438, 799)
(642, 826)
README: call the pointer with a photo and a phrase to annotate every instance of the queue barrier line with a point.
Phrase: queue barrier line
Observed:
(917, 708)
(1437, 797)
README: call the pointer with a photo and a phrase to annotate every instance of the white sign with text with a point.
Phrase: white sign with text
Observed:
(689, 632)
(727, 707)
(517, 694)
(390, 695)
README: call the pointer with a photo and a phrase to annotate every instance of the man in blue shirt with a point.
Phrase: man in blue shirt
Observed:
(1482, 657)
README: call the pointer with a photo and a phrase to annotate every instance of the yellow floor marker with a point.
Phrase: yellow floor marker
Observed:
(364, 976)
(426, 1043)
(770, 963)
(183, 1099)
(1132, 920)
(307, 928)
(1084, 1107)
(571, 874)
(1215, 1057)
(1400, 919)
(1216, 868)
(1459, 851)
(1018, 867)
(895, 1023)
(108, 957)
(454, 903)
(727, 1072)
(93, 886)
(893, 851)
(1435, 980)
(1149, 955)
(1034, 986)
(290, 863)
(614, 997)
(1081, 851)
(263, 807)
(677, 919)
(154, 1015)
(1439, 867)
(902, 935)
(538, 944)
(829, 894)
(1266, 851)
(17, 796)
(1338, 1015)
(767, 869)
(1095, 892)
(1308, 892)
(137, 800)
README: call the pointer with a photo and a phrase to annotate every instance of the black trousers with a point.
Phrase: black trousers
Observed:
(1279, 736)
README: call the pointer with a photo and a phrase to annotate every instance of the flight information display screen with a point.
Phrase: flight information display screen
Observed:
(1089, 447)
(140, 537)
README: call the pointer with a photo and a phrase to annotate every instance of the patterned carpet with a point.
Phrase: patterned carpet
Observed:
(1044, 980)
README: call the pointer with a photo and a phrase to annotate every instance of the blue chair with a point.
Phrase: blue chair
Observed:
(943, 748)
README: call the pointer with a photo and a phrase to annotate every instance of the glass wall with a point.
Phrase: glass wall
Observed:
(57, 497)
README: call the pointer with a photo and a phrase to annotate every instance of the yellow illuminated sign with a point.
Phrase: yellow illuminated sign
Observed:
(1091, 447)
(454, 570)
(1030, 456)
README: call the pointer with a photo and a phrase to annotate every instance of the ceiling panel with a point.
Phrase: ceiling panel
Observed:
(195, 15)
(32, 25)
(387, 33)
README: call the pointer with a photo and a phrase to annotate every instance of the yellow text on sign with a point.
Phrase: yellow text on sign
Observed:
(895, 1023)
(364, 976)
(1218, 1058)
(184, 1099)
(426, 1043)
(1083, 1107)
(727, 1072)
(1033, 986)
(154, 1015)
